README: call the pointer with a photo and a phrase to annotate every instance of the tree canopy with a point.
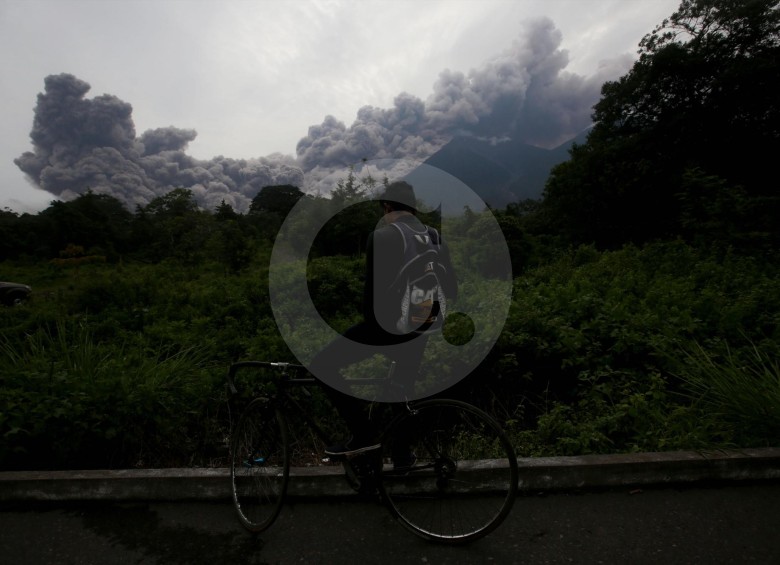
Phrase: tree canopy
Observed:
(699, 109)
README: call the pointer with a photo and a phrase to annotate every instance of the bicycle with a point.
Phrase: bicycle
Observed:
(458, 484)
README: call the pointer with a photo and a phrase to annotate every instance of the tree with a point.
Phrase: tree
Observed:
(353, 215)
(700, 98)
(14, 240)
(233, 241)
(172, 226)
(176, 203)
(277, 199)
(97, 222)
(225, 213)
(353, 188)
(270, 208)
(232, 244)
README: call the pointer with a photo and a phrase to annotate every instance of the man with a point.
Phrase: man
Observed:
(389, 327)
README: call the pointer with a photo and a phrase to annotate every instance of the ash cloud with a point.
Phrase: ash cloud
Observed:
(82, 144)
(156, 141)
(524, 93)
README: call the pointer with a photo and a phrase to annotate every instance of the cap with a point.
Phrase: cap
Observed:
(400, 192)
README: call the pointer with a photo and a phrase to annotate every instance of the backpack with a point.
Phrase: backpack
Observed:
(423, 304)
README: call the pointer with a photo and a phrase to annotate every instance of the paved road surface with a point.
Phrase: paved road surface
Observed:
(701, 525)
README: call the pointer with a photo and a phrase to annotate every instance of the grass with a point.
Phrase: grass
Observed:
(737, 393)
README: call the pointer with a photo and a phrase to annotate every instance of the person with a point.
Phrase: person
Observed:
(380, 332)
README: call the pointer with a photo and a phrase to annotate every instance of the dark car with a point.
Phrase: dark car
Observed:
(13, 294)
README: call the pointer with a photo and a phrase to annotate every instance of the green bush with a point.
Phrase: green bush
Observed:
(581, 345)
(69, 401)
(123, 364)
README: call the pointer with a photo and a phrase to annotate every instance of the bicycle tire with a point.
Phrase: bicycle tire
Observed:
(259, 465)
(464, 480)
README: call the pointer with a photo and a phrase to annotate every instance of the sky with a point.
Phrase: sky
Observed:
(225, 96)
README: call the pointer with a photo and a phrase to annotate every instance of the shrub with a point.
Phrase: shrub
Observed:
(69, 401)
(583, 338)
(736, 391)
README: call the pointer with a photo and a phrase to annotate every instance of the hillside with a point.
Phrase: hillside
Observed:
(504, 172)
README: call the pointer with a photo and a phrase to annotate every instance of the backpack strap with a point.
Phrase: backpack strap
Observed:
(407, 234)
(403, 234)
(408, 230)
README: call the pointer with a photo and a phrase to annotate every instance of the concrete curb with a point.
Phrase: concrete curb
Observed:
(536, 474)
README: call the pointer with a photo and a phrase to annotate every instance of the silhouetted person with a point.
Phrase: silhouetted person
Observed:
(399, 313)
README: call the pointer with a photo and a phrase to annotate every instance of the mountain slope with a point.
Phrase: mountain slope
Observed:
(503, 172)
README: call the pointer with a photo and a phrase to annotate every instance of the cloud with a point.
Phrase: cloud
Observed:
(166, 139)
(82, 144)
(523, 93)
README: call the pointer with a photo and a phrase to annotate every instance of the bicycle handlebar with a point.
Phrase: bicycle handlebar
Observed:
(388, 380)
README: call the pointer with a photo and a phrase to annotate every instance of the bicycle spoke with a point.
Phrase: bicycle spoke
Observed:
(259, 465)
(464, 480)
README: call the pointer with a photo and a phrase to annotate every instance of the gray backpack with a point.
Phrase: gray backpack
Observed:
(423, 304)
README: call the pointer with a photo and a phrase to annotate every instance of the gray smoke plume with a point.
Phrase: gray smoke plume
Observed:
(82, 144)
(522, 94)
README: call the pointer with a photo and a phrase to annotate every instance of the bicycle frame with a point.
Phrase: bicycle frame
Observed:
(286, 381)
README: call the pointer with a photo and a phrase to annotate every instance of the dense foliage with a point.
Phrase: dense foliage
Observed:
(685, 142)
(646, 305)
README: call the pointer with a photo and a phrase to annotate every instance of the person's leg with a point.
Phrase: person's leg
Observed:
(408, 357)
(326, 366)
(357, 344)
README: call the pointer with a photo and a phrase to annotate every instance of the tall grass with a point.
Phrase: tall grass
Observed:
(737, 393)
(69, 400)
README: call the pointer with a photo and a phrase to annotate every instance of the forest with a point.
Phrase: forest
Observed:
(645, 307)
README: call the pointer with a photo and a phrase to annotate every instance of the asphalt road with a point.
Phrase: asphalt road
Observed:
(737, 523)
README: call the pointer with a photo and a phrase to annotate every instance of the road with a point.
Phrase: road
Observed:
(735, 523)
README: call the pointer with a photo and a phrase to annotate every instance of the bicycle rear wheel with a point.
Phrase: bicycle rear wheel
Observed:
(459, 480)
(260, 466)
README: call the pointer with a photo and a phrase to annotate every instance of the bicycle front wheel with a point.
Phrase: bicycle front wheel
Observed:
(260, 466)
(449, 473)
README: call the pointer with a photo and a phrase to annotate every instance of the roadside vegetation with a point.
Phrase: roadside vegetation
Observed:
(645, 312)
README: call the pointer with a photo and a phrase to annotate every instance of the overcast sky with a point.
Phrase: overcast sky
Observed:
(252, 77)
